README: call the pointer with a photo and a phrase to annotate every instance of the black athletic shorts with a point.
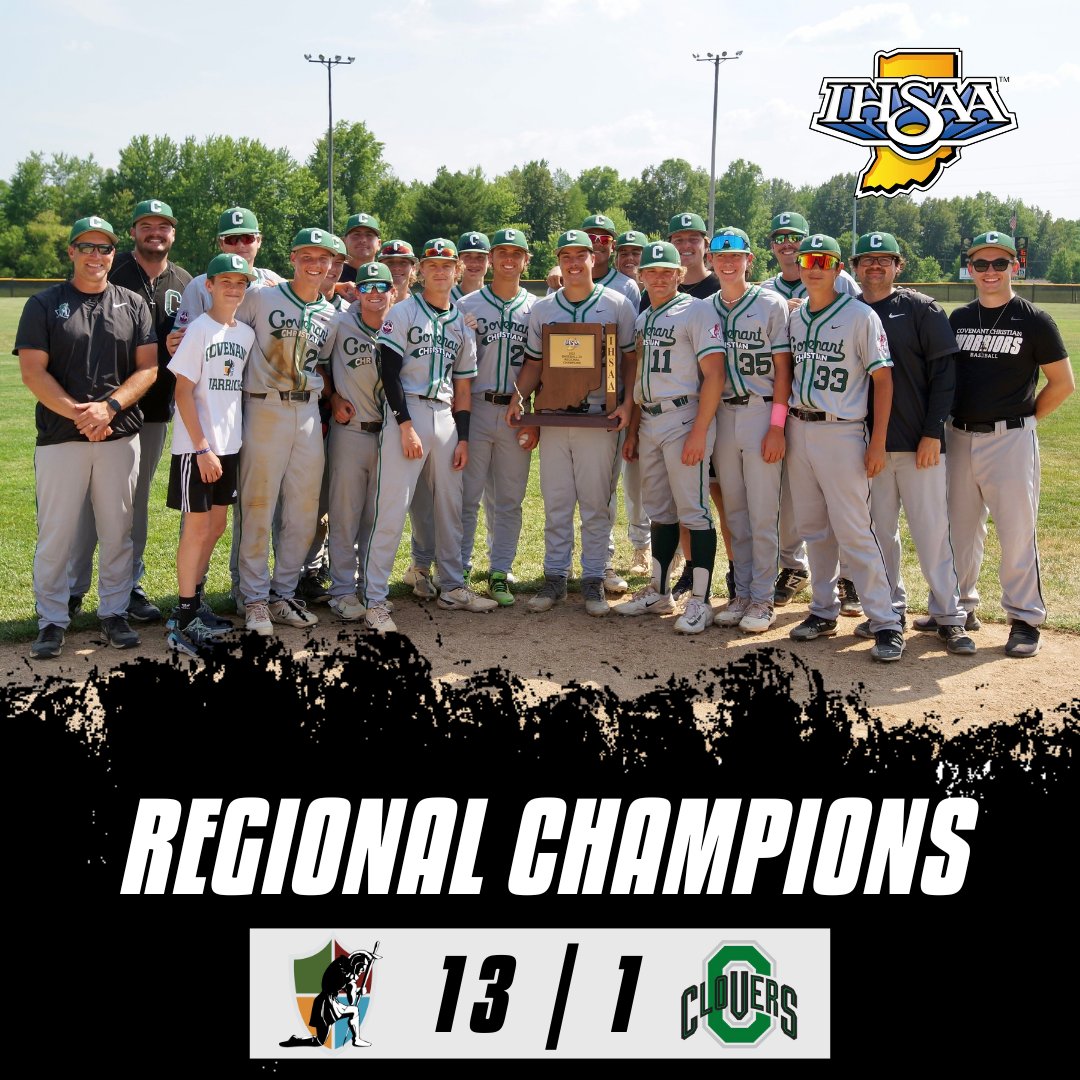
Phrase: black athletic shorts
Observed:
(188, 492)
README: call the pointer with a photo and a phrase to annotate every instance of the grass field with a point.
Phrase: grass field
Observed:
(1059, 525)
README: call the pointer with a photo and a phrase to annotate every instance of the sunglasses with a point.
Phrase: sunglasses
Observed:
(601, 239)
(89, 249)
(787, 238)
(809, 260)
(875, 260)
(374, 286)
(724, 243)
(982, 265)
(439, 253)
(243, 238)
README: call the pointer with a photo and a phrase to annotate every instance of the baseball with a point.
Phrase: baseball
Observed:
(523, 439)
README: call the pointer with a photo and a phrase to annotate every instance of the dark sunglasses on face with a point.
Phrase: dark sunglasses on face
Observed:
(101, 249)
(243, 238)
(787, 238)
(374, 286)
(982, 265)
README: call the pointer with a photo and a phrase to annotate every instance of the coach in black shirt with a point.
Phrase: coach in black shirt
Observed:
(87, 352)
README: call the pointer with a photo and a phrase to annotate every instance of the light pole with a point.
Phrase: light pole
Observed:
(329, 62)
(716, 61)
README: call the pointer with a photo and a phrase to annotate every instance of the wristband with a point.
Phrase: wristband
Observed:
(114, 405)
(779, 416)
(461, 420)
(199, 453)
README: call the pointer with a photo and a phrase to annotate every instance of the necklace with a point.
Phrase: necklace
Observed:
(147, 285)
(1000, 313)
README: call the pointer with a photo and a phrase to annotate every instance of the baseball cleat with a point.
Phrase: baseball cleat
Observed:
(499, 588)
(378, 619)
(548, 595)
(888, 645)
(314, 588)
(257, 618)
(647, 601)
(698, 616)
(74, 605)
(758, 618)
(813, 626)
(863, 629)
(196, 639)
(463, 599)
(49, 643)
(292, 612)
(613, 584)
(1023, 640)
(118, 634)
(685, 583)
(850, 604)
(733, 614)
(140, 609)
(956, 641)
(420, 580)
(592, 591)
(928, 624)
(347, 607)
(788, 583)
(641, 564)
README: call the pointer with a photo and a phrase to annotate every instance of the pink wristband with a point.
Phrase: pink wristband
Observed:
(779, 416)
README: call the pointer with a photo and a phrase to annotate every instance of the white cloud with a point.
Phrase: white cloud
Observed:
(901, 20)
(1063, 75)
(950, 20)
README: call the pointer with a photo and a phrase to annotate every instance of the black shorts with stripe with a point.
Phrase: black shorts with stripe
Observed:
(190, 494)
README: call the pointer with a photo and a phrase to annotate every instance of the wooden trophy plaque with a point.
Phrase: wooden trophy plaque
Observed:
(578, 359)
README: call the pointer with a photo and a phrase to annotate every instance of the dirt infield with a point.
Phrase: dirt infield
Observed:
(636, 655)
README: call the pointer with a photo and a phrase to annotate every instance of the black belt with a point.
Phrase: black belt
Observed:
(744, 400)
(370, 425)
(498, 399)
(656, 410)
(425, 397)
(812, 417)
(286, 395)
(984, 427)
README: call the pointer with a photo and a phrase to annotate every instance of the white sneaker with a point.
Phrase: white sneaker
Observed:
(463, 599)
(420, 580)
(758, 618)
(613, 583)
(647, 601)
(698, 616)
(257, 616)
(642, 561)
(347, 607)
(592, 592)
(292, 612)
(732, 615)
(378, 619)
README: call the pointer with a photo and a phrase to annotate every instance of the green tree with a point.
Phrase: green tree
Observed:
(1064, 268)
(831, 205)
(541, 205)
(740, 202)
(662, 190)
(450, 204)
(27, 194)
(359, 170)
(603, 189)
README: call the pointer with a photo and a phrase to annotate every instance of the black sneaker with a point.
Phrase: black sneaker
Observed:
(1023, 640)
(141, 610)
(314, 588)
(196, 639)
(788, 583)
(956, 641)
(850, 604)
(928, 624)
(863, 629)
(685, 585)
(118, 634)
(888, 645)
(729, 581)
(813, 626)
(74, 605)
(49, 643)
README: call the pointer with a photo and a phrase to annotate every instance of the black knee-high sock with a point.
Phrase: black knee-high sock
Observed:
(665, 542)
(702, 557)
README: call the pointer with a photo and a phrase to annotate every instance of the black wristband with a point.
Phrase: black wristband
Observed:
(462, 419)
(114, 405)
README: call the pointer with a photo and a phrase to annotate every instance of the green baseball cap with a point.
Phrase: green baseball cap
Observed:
(397, 249)
(473, 241)
(439, 248)
(1000, 240)
(631, 239)
(226, 263)
(153, 208)
(876, 243)
(659, 255)
(93, 223)
(599, 223)
(820, 244)
(317, 238)
(573, 238)
(363, 221)
(339, 246)
(687, 223)
(236, 221)
(374, 271)
(730, 239)
(789, 221)
(510, 238)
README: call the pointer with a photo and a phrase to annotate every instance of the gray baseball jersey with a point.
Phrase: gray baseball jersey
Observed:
(357, 378)
(502, 328)
(621, 283)
(796, 290)
(196, 298)
(755, 328)
(436, 347)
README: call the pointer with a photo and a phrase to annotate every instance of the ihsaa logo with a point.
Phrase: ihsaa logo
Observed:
(333, 991)
(916, 113)
(741, 1000)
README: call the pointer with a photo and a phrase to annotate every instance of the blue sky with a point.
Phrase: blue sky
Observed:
(614, 82)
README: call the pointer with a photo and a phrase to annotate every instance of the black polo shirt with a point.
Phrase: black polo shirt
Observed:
(91, 340)
(163, 298)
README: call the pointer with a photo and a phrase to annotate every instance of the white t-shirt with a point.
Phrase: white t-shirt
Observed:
(213, 356)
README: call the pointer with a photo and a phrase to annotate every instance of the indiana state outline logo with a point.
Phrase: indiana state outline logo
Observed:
(332, 987)
(915, 113)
